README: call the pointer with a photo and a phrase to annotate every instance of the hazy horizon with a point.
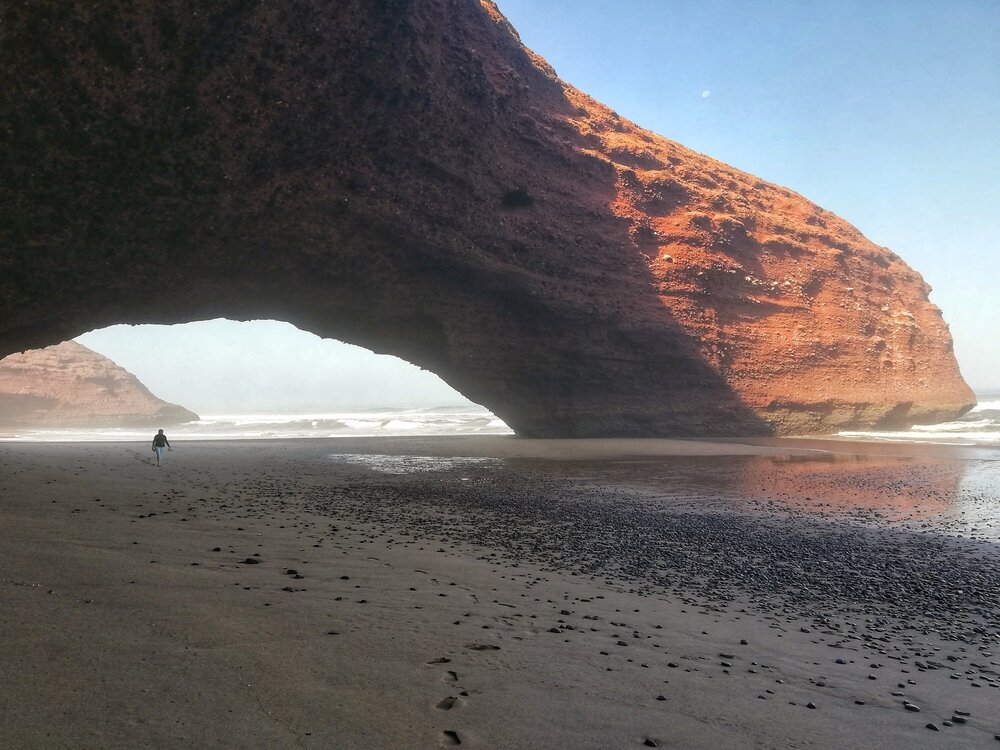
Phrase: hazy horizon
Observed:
(265, 367)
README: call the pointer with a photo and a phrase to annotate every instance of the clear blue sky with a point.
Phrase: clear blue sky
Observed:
(885, 112)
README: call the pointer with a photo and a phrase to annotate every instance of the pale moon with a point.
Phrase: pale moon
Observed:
(705, 94)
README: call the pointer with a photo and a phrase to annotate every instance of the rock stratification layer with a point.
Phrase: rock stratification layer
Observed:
(407, 176)
(69, 385)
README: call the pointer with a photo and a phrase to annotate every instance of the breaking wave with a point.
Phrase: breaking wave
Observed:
(436, 421)
(980, 426)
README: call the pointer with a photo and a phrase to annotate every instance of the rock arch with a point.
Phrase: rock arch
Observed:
(406, 176)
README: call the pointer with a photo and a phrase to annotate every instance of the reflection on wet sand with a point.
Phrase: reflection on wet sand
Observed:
(897, 487)
(951, 490)
(943, 495)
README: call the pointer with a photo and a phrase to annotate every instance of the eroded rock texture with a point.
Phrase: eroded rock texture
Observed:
(405, 175)
(69, 385)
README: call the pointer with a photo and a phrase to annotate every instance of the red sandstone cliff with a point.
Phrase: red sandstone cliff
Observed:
(812, 324)
(68, 385)
(406, 176)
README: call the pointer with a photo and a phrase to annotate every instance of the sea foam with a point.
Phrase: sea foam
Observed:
(437, 421)
(979, 426)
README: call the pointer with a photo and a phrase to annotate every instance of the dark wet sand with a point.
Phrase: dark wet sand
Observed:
(688, 594)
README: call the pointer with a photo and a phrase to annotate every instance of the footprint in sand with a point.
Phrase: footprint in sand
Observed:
(450, 677)
(446, 704)
(450, 738)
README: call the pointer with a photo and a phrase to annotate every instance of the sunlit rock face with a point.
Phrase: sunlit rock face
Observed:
(406, 176)
(68, 385)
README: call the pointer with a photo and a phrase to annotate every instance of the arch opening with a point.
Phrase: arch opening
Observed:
(263, 379)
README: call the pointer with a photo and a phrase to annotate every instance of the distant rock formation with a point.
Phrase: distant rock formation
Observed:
(408, 177)
(68, 385)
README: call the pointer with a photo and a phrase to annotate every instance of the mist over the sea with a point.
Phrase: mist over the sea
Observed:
(266, 367)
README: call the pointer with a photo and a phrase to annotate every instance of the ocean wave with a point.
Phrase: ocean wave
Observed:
(990, 414)
(927, 436)
(992, 405)
(439, 421)
(979, 426)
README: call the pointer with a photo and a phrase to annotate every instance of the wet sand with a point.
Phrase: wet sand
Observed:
(425, 592)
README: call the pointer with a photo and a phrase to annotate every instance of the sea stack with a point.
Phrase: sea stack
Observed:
(69, 385)
(410, 178)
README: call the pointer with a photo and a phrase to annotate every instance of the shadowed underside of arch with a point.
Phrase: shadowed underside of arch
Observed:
(406, 176)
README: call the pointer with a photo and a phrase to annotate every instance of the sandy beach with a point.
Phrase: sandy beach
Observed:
(499, 593)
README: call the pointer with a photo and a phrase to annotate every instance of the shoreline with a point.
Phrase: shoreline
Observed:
(121, 579)
(502, 445)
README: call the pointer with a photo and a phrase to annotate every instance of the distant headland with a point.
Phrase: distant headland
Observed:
(68, 385)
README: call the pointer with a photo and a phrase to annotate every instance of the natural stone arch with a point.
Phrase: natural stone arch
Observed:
(407, 177)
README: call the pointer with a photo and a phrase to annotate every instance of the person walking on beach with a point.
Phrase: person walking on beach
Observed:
(160, 444)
